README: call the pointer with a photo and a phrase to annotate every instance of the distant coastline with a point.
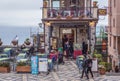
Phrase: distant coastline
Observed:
(8, 33)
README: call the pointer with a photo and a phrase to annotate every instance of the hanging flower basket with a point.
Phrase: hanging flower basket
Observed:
(27, 41)
(81, 16)
(14, 42)
(69, 17)
(45, 4)
(59, 16)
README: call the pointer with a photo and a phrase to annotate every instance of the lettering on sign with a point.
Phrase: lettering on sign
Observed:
(102, 11)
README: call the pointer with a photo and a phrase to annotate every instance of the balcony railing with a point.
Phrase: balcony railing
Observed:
(73, 12)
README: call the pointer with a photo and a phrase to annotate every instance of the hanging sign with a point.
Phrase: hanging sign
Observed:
(102, 12)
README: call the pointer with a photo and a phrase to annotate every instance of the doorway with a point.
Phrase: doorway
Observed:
(69, 33)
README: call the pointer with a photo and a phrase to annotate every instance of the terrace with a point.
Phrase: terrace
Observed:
(70, 13)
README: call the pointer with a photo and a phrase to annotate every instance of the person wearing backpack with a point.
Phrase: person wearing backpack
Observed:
(84, 65)
(89, 66)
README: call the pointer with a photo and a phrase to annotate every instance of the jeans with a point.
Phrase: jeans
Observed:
(50, 65)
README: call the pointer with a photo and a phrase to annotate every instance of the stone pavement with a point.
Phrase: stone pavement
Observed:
(66, 72)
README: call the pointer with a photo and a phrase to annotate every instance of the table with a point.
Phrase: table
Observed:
(77, 53)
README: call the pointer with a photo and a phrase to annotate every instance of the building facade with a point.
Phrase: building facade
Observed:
(114, 33)
(75, 19)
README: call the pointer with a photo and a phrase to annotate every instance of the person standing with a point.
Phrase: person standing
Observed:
(66, 49)
(89, 66)
(84, 65)
(71, 50)
(64, 40)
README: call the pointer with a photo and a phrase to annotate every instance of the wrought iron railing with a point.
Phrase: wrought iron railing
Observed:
(61, 12)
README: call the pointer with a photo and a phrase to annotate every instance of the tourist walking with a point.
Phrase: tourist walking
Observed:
(71, 50)
(89, 65)
(84, 68)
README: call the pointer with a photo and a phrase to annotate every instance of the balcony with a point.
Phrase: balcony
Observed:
(70, 13)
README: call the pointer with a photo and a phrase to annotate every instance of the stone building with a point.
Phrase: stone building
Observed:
(76, 19)
(114, 33)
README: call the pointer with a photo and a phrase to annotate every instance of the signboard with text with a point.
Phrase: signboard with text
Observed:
(102, 12)
(34, 64)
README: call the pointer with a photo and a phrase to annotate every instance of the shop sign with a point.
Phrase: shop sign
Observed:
(102, 12)
(67, 31)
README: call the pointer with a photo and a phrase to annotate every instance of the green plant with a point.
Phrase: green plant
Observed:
(22, 63)
(4, 64)
(108, 66)
(98, 56)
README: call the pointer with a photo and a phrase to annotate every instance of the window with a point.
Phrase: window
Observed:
(114, 22)
(114, 42)
(56, 4)
(114, 3)
(110, 41)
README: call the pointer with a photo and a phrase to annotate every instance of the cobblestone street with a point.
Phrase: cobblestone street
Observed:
(66, 72)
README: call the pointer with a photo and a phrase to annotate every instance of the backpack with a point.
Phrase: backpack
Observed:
(84, 64)
(89, 63)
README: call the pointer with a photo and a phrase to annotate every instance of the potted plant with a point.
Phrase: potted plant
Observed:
(4, 67)
(81, 16)
(95, 3)
(102, 68)
(23, 66)
(68, 17)
(59, 16)
(14, 42)
(27, 41)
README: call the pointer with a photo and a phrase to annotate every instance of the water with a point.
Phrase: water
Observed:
(7, 34)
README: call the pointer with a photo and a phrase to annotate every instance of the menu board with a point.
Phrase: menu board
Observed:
(34, 64)
(43, 64)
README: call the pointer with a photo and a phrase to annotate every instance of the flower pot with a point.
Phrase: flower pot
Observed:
(58, 17)
(69, 17)
(14, 42)
(4, 69)
(27, 43)
(45, 4)
(23, 69)
(102, 71)
(95, 3)
(82, 16)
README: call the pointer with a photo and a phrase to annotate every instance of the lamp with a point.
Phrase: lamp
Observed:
(91, 23)
(48, 23)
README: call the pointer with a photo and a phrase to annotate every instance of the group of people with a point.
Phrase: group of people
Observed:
(67, 47)
(86, 66)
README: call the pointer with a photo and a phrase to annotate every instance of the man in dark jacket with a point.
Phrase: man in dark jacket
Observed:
(84, 68)
(89, 65)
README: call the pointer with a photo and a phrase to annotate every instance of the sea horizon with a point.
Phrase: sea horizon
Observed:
(7, 34)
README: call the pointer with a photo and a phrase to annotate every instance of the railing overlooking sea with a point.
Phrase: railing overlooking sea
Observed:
(54, 12)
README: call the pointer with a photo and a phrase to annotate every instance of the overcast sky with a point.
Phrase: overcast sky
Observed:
(24, 13)
(20, 12)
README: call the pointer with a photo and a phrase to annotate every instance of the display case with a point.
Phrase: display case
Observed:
(53, 43)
